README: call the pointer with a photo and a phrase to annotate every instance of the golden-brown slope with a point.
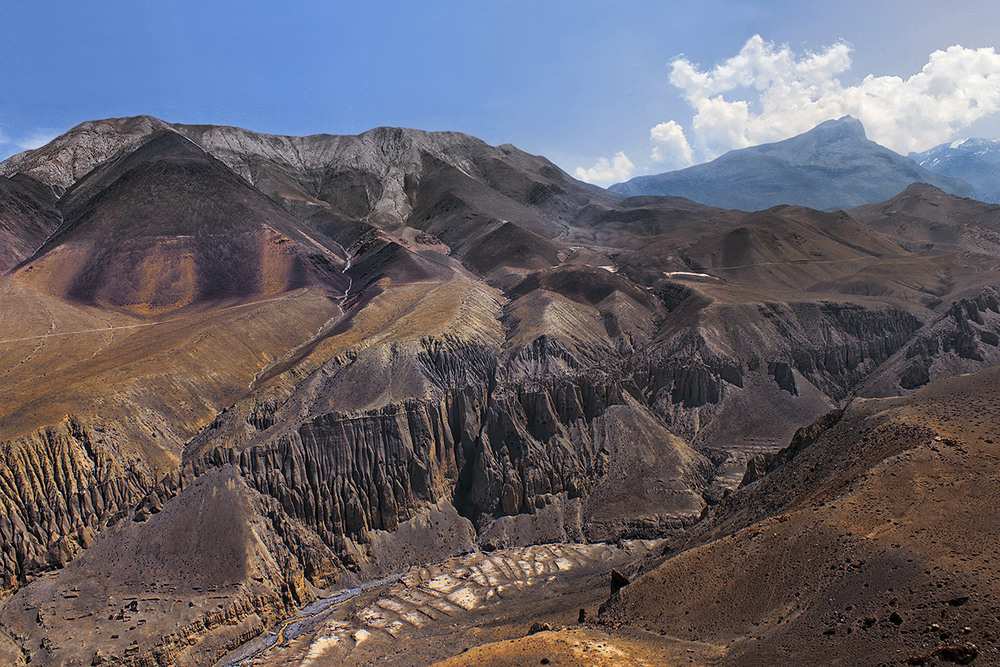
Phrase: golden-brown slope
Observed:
(873, 545)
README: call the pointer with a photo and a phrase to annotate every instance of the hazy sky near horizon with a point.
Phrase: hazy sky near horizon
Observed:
(605, 89)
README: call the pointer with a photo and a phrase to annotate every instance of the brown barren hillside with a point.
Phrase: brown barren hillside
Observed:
(396, 397)
(924, 217)
(168, 226)
(872, 544)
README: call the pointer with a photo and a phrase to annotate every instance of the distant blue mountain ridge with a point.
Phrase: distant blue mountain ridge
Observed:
(830, 167)
(976, 161)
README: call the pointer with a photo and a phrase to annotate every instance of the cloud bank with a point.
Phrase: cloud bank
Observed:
(670, 145)
(768, 93)
(606, 172)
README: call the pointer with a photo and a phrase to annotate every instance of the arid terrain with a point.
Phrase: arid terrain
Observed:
(407, 398)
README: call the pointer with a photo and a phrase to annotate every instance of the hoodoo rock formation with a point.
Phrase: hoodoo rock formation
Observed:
(264, 398)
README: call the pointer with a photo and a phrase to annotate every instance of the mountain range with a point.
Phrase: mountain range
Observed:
(408, 398)
(832, 166)
(976, 161)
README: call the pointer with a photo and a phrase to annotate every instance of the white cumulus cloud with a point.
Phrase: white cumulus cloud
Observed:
(670, 145)
(768, 93)
(605, 171)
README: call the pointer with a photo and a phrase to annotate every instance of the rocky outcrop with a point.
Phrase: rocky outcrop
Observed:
(209, 571)
(59, 487)
(861, 340)
(783, 376)
(956, 334)
(964, 338)
(688, 378)
(71, 156)
(490, 451)
(685, 372)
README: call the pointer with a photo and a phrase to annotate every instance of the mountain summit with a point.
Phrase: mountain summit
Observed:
(834, 165)
(167, 225)
(977, 161)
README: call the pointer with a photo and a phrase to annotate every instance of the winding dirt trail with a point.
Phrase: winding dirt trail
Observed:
(143, 325)
(41, 342)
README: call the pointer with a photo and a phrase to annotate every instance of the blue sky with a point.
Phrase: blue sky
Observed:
(576, 81)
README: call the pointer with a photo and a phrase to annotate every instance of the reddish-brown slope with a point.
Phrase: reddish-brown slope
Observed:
(924, 217)
(169, 226)
(875, 544)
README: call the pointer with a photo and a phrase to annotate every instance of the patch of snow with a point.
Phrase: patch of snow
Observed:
(688, 274)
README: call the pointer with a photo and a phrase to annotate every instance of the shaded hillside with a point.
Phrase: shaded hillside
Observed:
(924, 217)
(871, 544)
(168, 226)
(26, 220)
(829, 167)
